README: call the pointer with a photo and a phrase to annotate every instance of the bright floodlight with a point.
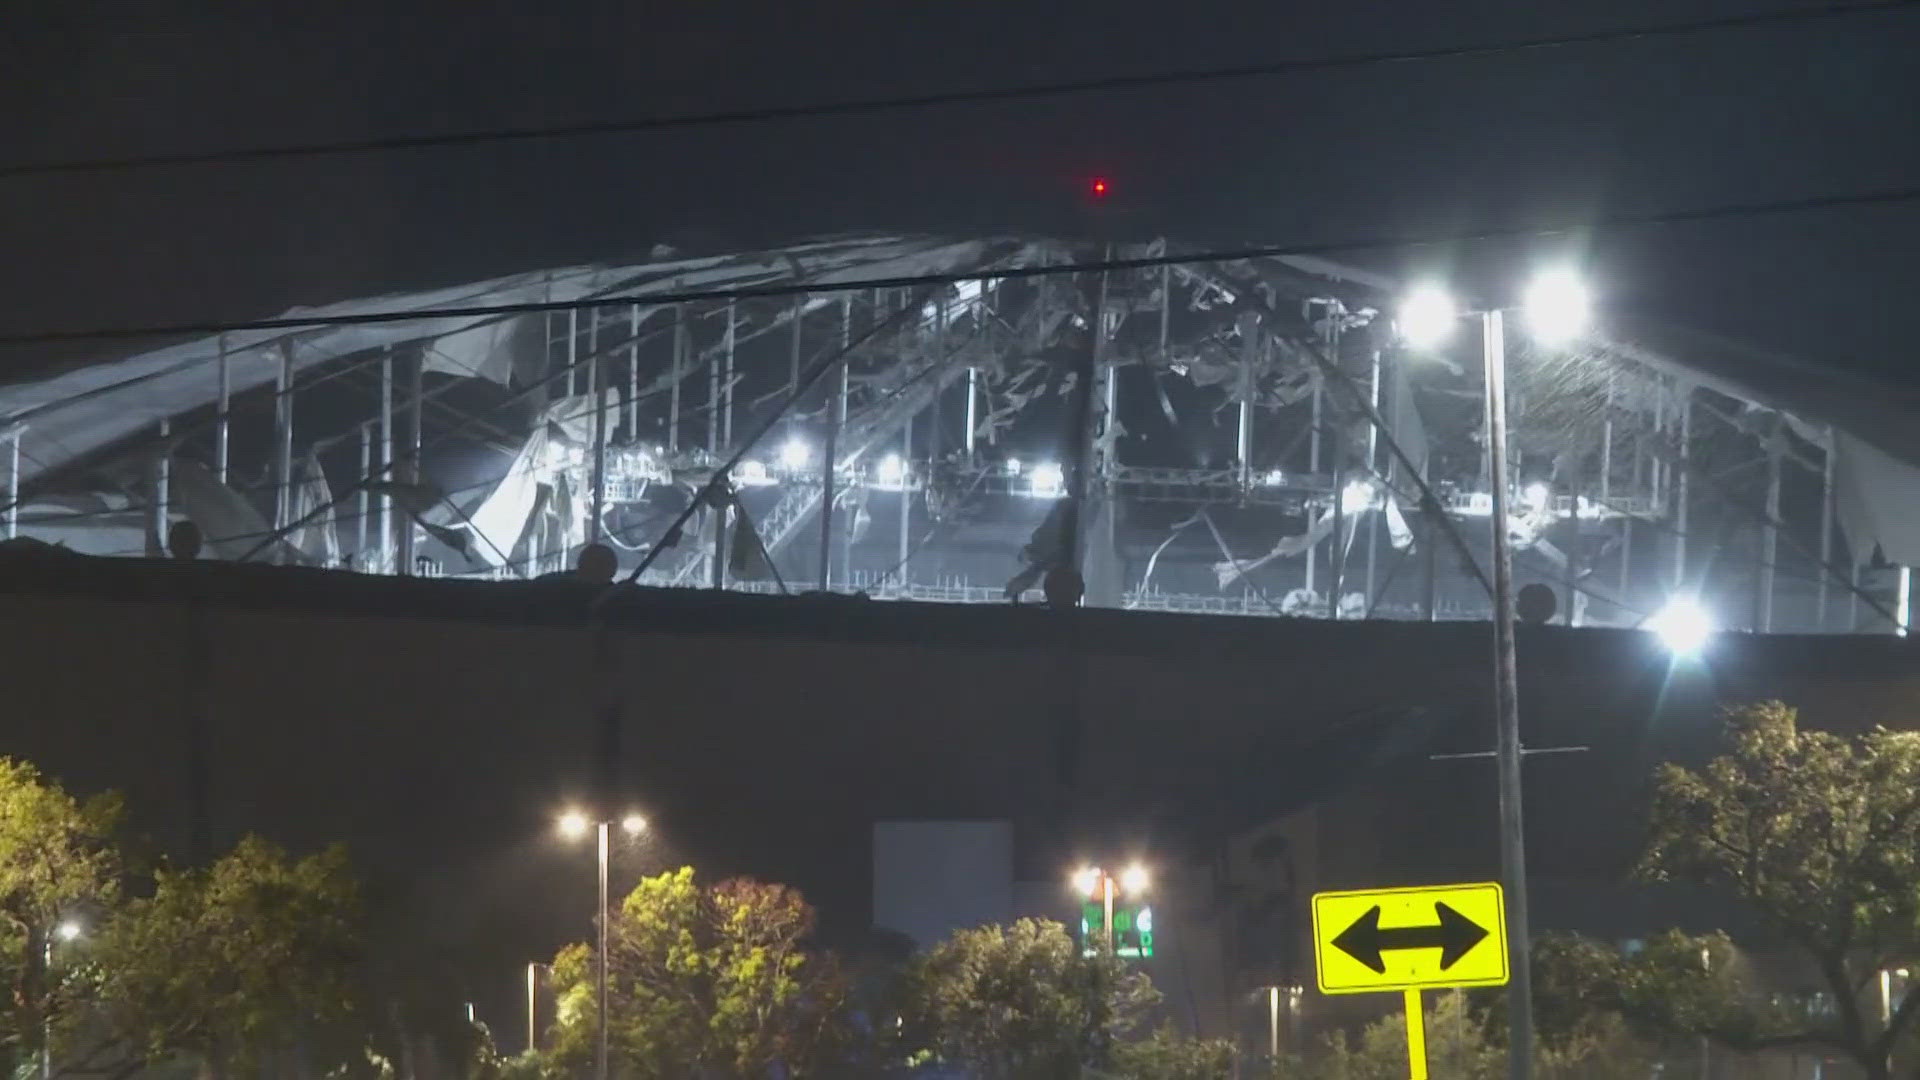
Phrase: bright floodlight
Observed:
(1013, 466)
(1538, 495)
(68, 930)
(1557, 306)
(574, 824)
(1087, 880)
(752, 473)
(1047, 480)
(633, 824)
(892, 469)
(1356, 497)
(1427, 317)
(1683, 626)
(1134, 879)
(796, 454)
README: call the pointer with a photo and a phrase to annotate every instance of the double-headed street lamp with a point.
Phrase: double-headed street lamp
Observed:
(1556, 308)
(1095, 883)
(574, 824)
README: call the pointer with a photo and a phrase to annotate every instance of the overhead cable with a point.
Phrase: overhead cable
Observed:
(1600, 224)
(983, 95)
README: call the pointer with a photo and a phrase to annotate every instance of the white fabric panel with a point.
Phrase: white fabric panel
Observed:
(1403, 420)
(483, 352)
(1877, 499)
(502, 517)
(318, 541)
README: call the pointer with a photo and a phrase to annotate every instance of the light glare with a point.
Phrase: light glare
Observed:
(1538, 495)
(1557, 306)
(574, 824)
(633, 824)
(1134, 879)
(892, 469)
(1087, 880)
(1356, 497)
(796, 454)
(68, 930)
(1047, 480)
(1683, 626)
(1427, 317)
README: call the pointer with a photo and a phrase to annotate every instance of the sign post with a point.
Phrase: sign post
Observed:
(1438, 936)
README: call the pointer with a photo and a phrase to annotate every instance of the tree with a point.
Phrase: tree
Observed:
(57, 861)
(227, 964)
(1168, 1055)
(1021, 1001)
(1820, 836)
(707, 981)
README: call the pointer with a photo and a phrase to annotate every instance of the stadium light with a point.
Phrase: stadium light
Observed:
(1134, 879)
(796, 454)
(1047, 480)
(1557, 306)
(1683, 626)
(1427, 317)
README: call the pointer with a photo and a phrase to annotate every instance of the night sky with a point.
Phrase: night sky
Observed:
(1459, 144)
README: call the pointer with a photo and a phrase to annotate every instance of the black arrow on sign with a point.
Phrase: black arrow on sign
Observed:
(1454, 935)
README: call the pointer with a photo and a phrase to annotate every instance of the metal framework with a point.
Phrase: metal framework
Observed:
(1241, 438)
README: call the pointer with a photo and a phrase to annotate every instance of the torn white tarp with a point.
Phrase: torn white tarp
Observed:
(1234, 569)
(98, 404)
(481, 352)
(1877, 498)
(502, 517)
(317, 539)
(231, 525)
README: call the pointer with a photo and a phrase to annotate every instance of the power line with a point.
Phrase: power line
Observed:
(824, 110)
(1608, 223)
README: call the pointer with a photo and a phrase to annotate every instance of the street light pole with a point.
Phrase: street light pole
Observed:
(1106, 886)
(600, 969)
(1513, 850)
(573, 825)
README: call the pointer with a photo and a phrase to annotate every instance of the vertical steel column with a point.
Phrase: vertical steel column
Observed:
(412, 477)
(223, 428)
(1243, 435)
(973, 413)
(573, 352)
(1680, 486)
(1373, 470)
(13, 481)
(163, 485)
(717, 570)
(1337, 543)
(679, 369)
(1826, 530)
(366, 496)
(726, 428)
(793, 351)
(283, 439)
(1513, 856)
(1430, 538)
(713, 395)
(633, 377)
(1769, 540)
(836, 411)
(1313, 469)
(386, 462)
(906, 503)
(1166, 308)
(598, 505)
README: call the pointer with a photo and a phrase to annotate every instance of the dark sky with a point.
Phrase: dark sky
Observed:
(1448, 145)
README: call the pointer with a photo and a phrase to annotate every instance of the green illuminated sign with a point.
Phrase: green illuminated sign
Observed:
(1132, 930)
